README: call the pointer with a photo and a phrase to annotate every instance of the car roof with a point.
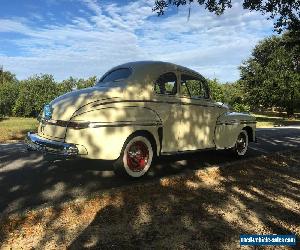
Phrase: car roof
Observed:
(142, 64)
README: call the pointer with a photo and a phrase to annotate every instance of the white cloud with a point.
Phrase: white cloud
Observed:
(93, 5)
(114, 34)
(7, 25)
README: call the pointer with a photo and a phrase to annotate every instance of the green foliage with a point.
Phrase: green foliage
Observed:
(34, 93)
(7, 77)
(232, 94)
(241, 107)
(286, 13)
(81, 83)
(73, 83)
(216, 90)
(67, 85)
(194, 87)
(235, 93)
(271, 75)
(8, 93)
(28, 97)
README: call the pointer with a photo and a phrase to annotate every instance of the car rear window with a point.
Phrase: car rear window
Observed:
(166, 84)
(193, 87)
(116, 75)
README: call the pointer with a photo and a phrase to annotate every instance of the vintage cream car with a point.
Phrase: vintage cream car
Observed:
(138, 111)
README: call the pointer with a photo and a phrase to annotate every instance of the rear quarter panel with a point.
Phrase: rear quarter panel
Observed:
(113, 124)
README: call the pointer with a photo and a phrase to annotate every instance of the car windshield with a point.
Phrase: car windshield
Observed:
(115, 76)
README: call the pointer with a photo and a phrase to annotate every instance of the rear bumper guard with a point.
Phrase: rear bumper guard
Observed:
(37, 143)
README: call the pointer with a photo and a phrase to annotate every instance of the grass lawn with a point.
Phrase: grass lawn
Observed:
(205, 209)
(275, 120)
(15, 128)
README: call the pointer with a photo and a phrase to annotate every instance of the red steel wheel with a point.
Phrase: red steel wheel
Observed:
(137, 156)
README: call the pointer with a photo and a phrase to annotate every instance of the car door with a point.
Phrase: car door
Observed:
(169, 109)
(199, 114)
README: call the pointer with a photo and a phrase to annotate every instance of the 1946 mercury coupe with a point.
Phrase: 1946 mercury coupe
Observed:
(138, 111)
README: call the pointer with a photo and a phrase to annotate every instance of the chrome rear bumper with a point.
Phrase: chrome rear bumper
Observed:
(37, 143)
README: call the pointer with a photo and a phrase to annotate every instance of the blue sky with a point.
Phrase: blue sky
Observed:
(82, 38)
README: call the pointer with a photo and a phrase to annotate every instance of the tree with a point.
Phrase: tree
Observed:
(90, 82)
(286, 13)
(67, 85)
(216, 90)
(271, 75)
(232, 94)
(34, 93)
(291, 42)
(8, 92)
(7, 77)
(38, 90)
(74, 83)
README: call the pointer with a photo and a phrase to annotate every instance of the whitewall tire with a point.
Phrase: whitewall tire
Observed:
(136, 157)
(241, 145)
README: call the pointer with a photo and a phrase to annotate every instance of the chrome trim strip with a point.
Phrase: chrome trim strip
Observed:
(60, 123)
(154, 101)
(248, 122)
(123, 124)
(236, 122)
(101, 124)
(228, 123)
(190, 151)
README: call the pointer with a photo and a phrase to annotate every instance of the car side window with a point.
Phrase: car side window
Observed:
(193, 87)
(166, 84)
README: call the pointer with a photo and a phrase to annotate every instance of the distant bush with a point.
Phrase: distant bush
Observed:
(9, 91)
(74, 83)
(8, 95)
(216, 90)
(239, 107)
(34, 93)
(232, 94)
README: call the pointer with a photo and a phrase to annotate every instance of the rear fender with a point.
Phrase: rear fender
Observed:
(110, 127)
(228, 127)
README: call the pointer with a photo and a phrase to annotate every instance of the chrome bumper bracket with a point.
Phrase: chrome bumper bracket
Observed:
(37, 143)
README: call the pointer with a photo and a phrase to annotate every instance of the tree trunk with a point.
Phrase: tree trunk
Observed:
(290, 104)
